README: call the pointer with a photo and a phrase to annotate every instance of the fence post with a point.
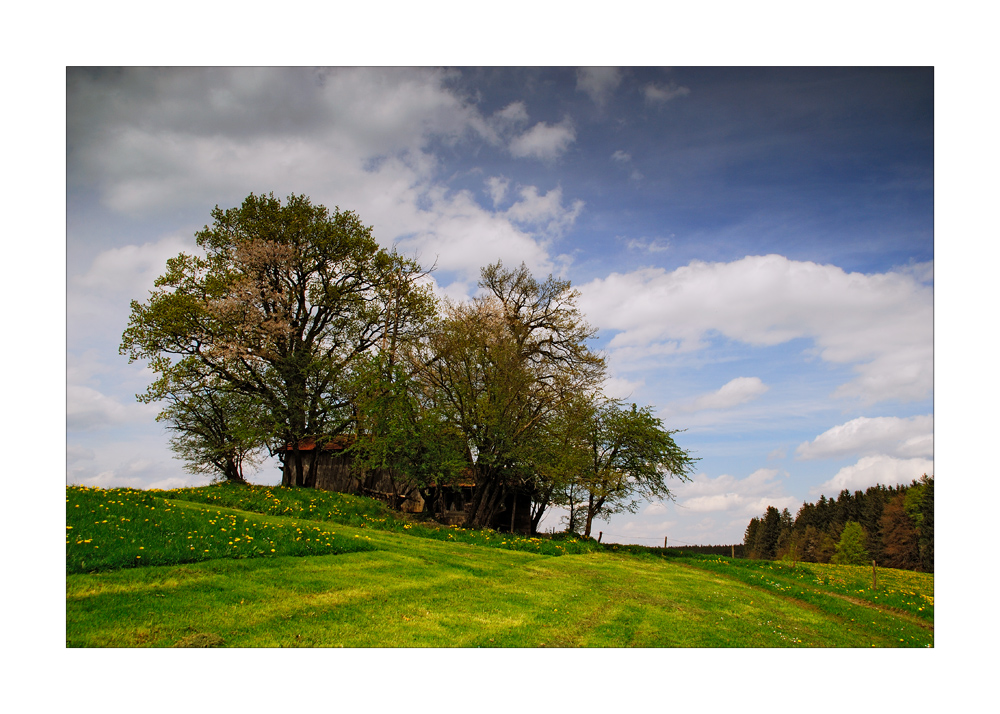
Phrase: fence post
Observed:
(600, 534)
(874, 577)
(664, 541)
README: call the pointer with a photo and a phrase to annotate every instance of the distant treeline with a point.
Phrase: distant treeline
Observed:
(738, 549)
(892, 525)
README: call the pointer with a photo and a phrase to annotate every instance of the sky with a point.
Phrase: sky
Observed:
(755, 246)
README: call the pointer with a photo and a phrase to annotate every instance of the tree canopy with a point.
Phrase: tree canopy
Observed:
(285, 300)
(292, 324)
(893, 525)
(629, 456)
(500, 369)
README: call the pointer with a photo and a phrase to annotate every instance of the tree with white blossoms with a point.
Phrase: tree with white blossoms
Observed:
(284, 302)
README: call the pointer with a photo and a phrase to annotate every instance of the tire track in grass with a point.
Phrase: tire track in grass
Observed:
(817, 594)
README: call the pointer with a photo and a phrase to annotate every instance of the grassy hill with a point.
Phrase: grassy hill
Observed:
(271, 567)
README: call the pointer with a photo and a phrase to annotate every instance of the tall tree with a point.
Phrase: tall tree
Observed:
(766, 537)
(217, 431)
(851, 547)
(501, 368)
(283, 302)
(631, 456)
(901, 546)
(397, 431)
(559, 457)
(926, 539)
(750, 538)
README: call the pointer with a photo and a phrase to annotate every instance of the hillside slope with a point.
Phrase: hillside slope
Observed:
(403, 591)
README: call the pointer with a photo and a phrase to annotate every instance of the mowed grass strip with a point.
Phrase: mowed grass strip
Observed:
(903, 591)
(430, 594)
(365, 587)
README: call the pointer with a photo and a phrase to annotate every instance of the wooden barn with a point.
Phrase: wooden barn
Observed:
(330, 468)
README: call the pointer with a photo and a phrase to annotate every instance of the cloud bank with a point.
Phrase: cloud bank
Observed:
(889, 436)
(879, 324)
(149, 141)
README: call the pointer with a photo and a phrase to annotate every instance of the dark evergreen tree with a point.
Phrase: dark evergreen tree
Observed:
(824, 515)
(768, 534)
(871, 519)
(926, 540)
(811, 539)
(900, 543)
(750, 537)
(785, 534)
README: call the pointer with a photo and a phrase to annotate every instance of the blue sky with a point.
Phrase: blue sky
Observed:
(755, 246)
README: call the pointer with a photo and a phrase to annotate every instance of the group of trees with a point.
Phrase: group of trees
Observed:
(296, 325)
(892, 525)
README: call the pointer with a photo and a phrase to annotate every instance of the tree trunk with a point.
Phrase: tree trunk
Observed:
(590, 516)
(233, 472)
(485, 499)
(294, 473)
(536, 516)
(592, 510)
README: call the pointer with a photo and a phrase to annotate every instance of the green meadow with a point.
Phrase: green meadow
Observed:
(227, 566)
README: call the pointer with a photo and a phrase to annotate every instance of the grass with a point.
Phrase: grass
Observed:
(368, 513)
(367, 581)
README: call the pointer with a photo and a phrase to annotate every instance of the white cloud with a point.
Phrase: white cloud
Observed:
(152, 140)
(621, 157)
(732, 394)
(599, 83)
(461, 237)
(514, 114)
(128, 271)
(544, 141)
(88, 409)
(864, 436)
(75, 452)
(881, 324)
(544, 212)
(620, 388)
(648, 245)
(660, 94)
(149, 138)
(872, 470)
(497, 187)
(750, 496)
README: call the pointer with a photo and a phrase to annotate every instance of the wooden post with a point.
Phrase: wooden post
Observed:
(600, 534)
(874, 577)
(733, 547)
(664, 541)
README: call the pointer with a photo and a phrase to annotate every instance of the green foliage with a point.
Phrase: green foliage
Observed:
(897, 523)
(217, 430)
(398, 429)
(851, 548)
(899, 535)
(629, 457)
(283, 302)
(500, 371)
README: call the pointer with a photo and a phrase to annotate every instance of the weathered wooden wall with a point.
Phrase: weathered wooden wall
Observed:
(334, 471)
